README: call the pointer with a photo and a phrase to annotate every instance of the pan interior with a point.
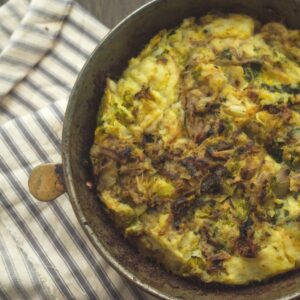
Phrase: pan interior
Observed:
(110, 58)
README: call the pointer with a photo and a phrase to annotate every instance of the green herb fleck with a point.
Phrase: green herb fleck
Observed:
(290, 90)
(226, 54)
(252, 70)
(271, 88)
(284, 88)
(275, 150)
(256, 49)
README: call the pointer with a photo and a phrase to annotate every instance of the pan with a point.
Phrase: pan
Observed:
(74, 175)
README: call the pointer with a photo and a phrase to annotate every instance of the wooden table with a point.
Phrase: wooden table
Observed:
(109, 12)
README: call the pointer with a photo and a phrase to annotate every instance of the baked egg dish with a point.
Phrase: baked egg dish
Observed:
(196, 154)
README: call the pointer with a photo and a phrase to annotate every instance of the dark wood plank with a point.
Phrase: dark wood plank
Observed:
(110, 12)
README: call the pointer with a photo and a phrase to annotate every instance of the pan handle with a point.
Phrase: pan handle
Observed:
(46, 182)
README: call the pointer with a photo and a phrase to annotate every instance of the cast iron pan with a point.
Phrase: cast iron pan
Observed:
(109, 59)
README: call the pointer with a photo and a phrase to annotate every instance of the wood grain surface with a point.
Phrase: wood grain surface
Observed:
(109, 12)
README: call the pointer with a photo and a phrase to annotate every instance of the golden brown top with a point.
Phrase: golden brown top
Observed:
(197, 149)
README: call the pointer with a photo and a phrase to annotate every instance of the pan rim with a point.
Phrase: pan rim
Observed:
(67, 167)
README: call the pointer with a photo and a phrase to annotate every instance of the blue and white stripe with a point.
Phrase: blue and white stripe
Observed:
(44, 254)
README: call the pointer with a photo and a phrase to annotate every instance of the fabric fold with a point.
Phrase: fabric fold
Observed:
(21, 40)
(44, 253)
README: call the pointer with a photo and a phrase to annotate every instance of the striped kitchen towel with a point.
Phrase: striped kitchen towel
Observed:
(44, 254)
